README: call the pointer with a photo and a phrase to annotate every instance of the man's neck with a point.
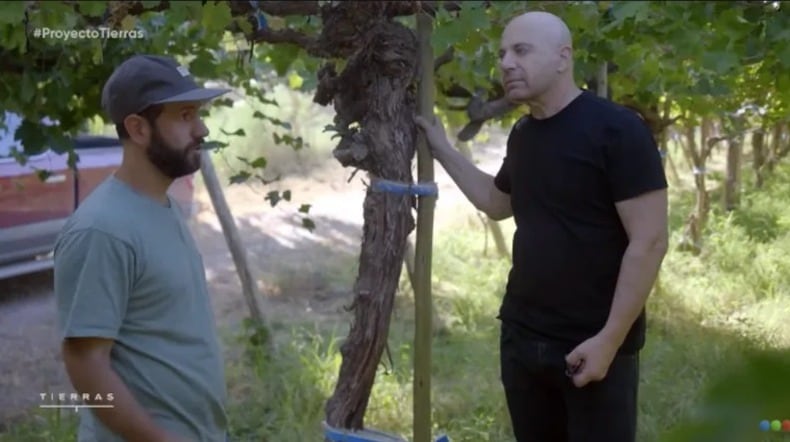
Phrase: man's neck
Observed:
(553, 101)
(145, 180)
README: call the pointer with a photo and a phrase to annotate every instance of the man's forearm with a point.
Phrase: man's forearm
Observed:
(638, 271)
(126, 418)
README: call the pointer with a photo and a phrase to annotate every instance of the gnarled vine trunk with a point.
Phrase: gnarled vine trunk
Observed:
(376, 90)
(698, 154)
(780, 145)
(758, 152)
(732, 183)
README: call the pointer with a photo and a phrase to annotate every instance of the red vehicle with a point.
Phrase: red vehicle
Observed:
(32, 211)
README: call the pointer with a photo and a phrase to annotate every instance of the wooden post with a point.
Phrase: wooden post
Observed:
(424, 243)
(231, 234)
(603, 80)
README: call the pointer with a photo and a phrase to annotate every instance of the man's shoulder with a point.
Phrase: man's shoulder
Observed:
(521, 122)
(103, 212)
(611, 112)
(516, 135)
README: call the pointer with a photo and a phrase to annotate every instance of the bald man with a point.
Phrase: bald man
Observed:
(582, 176)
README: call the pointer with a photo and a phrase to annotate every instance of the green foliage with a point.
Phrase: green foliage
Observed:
(726, 58)
(732, 408)
(720, 67)
(13, 12)
(474, 34)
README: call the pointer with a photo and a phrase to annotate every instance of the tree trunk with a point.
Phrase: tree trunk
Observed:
(782, 145)
(776, 146)
(681, 136)
(673, 168)
(758, 152)
(499, 238)
(376, 89)
(260, 334)
(663, 144)
(734, 153)
(696, 221)
(602, 86)
(663, 137)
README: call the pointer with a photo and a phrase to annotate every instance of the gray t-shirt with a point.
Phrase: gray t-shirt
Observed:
(127, 268)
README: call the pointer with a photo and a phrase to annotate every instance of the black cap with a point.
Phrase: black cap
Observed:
(145, 80)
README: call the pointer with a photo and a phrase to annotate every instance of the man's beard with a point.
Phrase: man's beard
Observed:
(173, 162)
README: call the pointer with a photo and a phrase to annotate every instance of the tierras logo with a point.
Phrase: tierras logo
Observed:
(76, 400)
(775, 426)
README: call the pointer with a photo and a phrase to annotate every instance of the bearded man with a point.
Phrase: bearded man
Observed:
(134, 313)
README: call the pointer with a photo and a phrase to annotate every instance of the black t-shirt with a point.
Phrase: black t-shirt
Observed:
(564, 175)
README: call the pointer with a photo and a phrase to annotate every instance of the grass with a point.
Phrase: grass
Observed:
(707, 313)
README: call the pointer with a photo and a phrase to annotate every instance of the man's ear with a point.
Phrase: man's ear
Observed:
(566, 54)
(138, 129)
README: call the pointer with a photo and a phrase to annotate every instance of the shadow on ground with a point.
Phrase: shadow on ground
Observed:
(297, 272)
(25, 287)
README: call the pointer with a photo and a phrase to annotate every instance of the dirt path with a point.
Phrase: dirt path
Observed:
(300, 274)
(30, 363)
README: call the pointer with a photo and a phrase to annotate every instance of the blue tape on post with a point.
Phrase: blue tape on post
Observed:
(259, 15)
(398, 188)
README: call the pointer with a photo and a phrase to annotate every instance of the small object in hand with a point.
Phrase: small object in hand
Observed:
(573, 369)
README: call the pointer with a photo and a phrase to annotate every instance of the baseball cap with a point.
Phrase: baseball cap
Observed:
(145, 80)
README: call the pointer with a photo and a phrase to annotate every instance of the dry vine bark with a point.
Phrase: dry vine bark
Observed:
(376, 90)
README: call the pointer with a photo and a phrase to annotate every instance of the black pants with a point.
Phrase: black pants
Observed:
(544, 404)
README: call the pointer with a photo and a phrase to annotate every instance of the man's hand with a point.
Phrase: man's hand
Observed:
(434, 133)
(477, 186)
(590, 360)
(174, 438)
(159, 434)
(87, 362)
